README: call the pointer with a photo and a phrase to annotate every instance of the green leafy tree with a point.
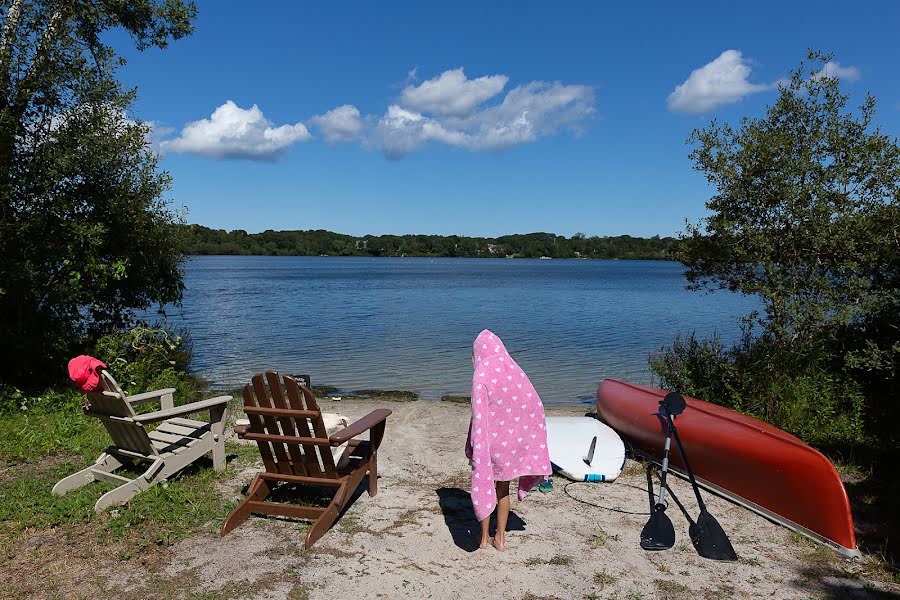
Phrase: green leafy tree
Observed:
(86, 234)
(806, 213)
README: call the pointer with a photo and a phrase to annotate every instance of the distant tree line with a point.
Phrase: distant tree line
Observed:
(203, 240)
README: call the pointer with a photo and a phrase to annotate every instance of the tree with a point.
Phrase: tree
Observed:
(806, 213)
(86, 235)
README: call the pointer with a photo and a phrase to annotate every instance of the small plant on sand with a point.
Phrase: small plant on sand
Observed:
(603, 579)
(672, 590)
(601, 538)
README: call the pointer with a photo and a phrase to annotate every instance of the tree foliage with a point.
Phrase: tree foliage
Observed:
(806, 213)
(805, 216)
(86, 234)
(203, 240)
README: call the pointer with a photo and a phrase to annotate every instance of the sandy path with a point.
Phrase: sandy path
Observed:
(415, 539)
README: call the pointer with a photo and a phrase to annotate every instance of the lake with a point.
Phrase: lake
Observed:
(408, 323)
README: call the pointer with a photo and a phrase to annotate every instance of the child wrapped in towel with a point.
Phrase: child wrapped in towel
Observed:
(507, 435)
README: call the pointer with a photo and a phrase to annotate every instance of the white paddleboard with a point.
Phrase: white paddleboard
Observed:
(584, 449)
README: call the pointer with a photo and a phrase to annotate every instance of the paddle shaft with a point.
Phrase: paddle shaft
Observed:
(670, 427)
(684, 460)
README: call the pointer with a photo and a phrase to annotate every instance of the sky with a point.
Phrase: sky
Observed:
(478, 118)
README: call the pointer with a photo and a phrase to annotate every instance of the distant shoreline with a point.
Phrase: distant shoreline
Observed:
(203, 241)
(423, 256)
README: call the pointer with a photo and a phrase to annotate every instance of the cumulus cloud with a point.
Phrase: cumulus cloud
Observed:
(449, 109)
(235, 132)
(342, 124)
(451, 93)
(834, 69)
(722, 81)
(526, 113)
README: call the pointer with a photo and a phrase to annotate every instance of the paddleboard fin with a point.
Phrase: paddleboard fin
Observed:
(590, 455)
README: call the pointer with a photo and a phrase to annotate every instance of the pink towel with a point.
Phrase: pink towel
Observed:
(508, 434)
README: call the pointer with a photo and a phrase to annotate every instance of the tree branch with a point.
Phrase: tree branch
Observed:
(6, 42)
(41, 58)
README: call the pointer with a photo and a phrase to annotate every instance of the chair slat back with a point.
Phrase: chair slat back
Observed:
(287, 456)
(108, 403)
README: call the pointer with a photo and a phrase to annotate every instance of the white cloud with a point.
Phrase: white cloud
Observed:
(234, 132)
(448, 109)
(341, 124)
(451, 93)
(722, 81)
(834, 69)
(527, 113)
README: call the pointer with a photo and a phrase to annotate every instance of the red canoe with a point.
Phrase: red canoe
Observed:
(750, 462)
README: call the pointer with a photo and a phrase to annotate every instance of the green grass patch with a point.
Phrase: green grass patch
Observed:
(41, 445)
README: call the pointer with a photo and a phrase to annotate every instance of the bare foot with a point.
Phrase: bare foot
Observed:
(486, 543)
(499, 543)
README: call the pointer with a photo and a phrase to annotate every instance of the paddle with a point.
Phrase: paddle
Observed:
(658, 533)
(707, 535)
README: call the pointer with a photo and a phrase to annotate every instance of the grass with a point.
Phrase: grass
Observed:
(603, 579)
(558, 560)
(41, 446)
(671, 590)
(601, 538)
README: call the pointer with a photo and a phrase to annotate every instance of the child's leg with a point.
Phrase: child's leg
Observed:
(485, 533)
(502, 514)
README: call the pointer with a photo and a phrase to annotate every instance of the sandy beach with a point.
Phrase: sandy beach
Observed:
(417, 539)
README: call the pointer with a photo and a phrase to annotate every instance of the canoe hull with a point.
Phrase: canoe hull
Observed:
(742, 458)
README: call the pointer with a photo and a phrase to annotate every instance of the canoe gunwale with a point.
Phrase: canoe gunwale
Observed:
(848, 553)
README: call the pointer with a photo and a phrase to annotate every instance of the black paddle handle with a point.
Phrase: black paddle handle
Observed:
(684, 459)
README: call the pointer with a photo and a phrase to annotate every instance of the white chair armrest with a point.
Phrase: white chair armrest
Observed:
(185, 409)
(164, 396)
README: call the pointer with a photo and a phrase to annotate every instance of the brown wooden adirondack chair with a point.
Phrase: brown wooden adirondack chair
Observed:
(287, 425)
(174, 444)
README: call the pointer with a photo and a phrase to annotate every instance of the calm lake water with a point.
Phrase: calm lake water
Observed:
(408, 323)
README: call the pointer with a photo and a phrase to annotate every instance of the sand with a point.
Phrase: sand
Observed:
(417, 539)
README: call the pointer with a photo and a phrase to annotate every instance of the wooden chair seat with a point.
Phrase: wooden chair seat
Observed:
(287, 425)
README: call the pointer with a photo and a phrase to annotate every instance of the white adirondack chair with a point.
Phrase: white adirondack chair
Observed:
(174, 444)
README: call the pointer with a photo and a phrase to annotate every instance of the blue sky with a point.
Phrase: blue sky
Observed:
(481, 118)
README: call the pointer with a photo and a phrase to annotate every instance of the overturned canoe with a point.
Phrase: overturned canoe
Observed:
(746, 460)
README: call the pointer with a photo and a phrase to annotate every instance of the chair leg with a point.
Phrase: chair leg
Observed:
(217, 417)
(106, 462)
(259, 490)
(321, 525)
(373, 473)
(127, 491)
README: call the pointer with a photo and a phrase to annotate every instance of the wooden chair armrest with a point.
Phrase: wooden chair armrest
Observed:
(359, 427)
(185, 409)
(150, 396)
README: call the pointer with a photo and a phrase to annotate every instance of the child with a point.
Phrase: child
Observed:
(507, 435)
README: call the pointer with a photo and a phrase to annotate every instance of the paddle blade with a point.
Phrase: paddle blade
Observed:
(710, 539)
(675, 403)
(658, 533)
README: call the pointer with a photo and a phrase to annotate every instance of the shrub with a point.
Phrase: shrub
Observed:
(147, 358)
(796, 391)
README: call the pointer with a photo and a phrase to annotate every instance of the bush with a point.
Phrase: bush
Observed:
(797, 391)
(146, 358)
